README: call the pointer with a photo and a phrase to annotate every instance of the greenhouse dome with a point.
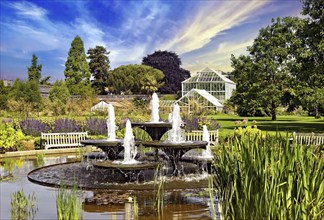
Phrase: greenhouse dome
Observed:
(213, 81)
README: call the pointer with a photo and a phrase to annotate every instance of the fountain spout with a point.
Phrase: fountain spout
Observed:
(130, 149)
(111, 123)
(176, 134)
(207, 153)
(155, 108)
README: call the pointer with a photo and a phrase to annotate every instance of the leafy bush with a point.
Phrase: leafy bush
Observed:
(66, 125)
(191, 123)
(196, 123)
(10, 138)
(34, 127)
(248, 131)
(96, 126)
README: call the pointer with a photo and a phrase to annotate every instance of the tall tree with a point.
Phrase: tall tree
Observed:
(310, 57)
(59, 96)
(169, 63)
(247, 95)
(133, 79)
(45, 81)
(25, 96)
(34, 71)
(77, 74)
(273, 62)
(4, 91)
(99, 67)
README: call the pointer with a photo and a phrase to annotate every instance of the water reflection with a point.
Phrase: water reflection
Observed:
(103, 204)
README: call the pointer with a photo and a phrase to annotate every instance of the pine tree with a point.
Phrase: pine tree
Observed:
(99, 67)
(34, 71)
(77, 74)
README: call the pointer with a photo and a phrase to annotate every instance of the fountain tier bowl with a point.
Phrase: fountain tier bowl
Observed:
(186, 145)
(103, 142)
(155, 129)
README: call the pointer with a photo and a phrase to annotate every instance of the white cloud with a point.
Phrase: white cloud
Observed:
(219, 58)
(29, 10)
(211, 20)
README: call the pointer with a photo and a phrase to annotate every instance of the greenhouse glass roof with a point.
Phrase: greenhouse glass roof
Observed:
(205, 95)
(208, 75)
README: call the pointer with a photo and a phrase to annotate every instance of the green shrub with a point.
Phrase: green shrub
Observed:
(10, 138)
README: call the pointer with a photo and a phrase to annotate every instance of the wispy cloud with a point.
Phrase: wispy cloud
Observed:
(28, 10)
(209, 21)
(219, 58)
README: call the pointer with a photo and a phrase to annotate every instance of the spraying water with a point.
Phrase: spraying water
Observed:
(207, 153)
(155, 108)
(111, 123)
(130, 149)
(176, 134)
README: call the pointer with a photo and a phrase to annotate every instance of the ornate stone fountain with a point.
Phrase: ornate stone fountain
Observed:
(104, 173)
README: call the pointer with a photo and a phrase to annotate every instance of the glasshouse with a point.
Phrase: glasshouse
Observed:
(198, 100)
(207, 90)
(214, 82)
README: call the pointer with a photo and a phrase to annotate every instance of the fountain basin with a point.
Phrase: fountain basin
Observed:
(85, 177)
(125, 167)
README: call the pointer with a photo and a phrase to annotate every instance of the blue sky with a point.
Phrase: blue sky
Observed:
(202, 32)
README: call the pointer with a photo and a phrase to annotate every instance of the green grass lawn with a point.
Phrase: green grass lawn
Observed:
(283, 124)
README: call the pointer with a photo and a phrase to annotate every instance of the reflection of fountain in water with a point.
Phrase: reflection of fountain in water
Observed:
(155, 108)
(111, 123)
(206, 153)
(176, 134)
(130, 150)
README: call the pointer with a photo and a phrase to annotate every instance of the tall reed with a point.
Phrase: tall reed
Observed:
(23, 207)
(159, 186)
(211, 195)
(68, 204)
(269, 178)
(135, 208)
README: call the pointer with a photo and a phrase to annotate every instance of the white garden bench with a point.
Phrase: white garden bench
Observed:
(72, 139)
(315, 139)
(197, 135)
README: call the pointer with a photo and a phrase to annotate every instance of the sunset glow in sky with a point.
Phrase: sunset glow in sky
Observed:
(203, 33)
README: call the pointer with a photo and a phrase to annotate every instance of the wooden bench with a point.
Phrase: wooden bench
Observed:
(315, 139)
(197, 135)
(71, 139)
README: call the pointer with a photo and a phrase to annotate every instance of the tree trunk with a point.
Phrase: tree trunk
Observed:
(317, 114)
(273, 112)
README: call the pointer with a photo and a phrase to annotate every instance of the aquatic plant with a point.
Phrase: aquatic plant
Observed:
(23, 207)
(135, 208)
(211, 192)
(159, 186)
(269, 178)
(39, 159)
(68, 204)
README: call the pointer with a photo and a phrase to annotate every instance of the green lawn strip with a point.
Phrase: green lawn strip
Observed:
(283, 124)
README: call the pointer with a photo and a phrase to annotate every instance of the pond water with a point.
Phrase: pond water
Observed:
(181, 203)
